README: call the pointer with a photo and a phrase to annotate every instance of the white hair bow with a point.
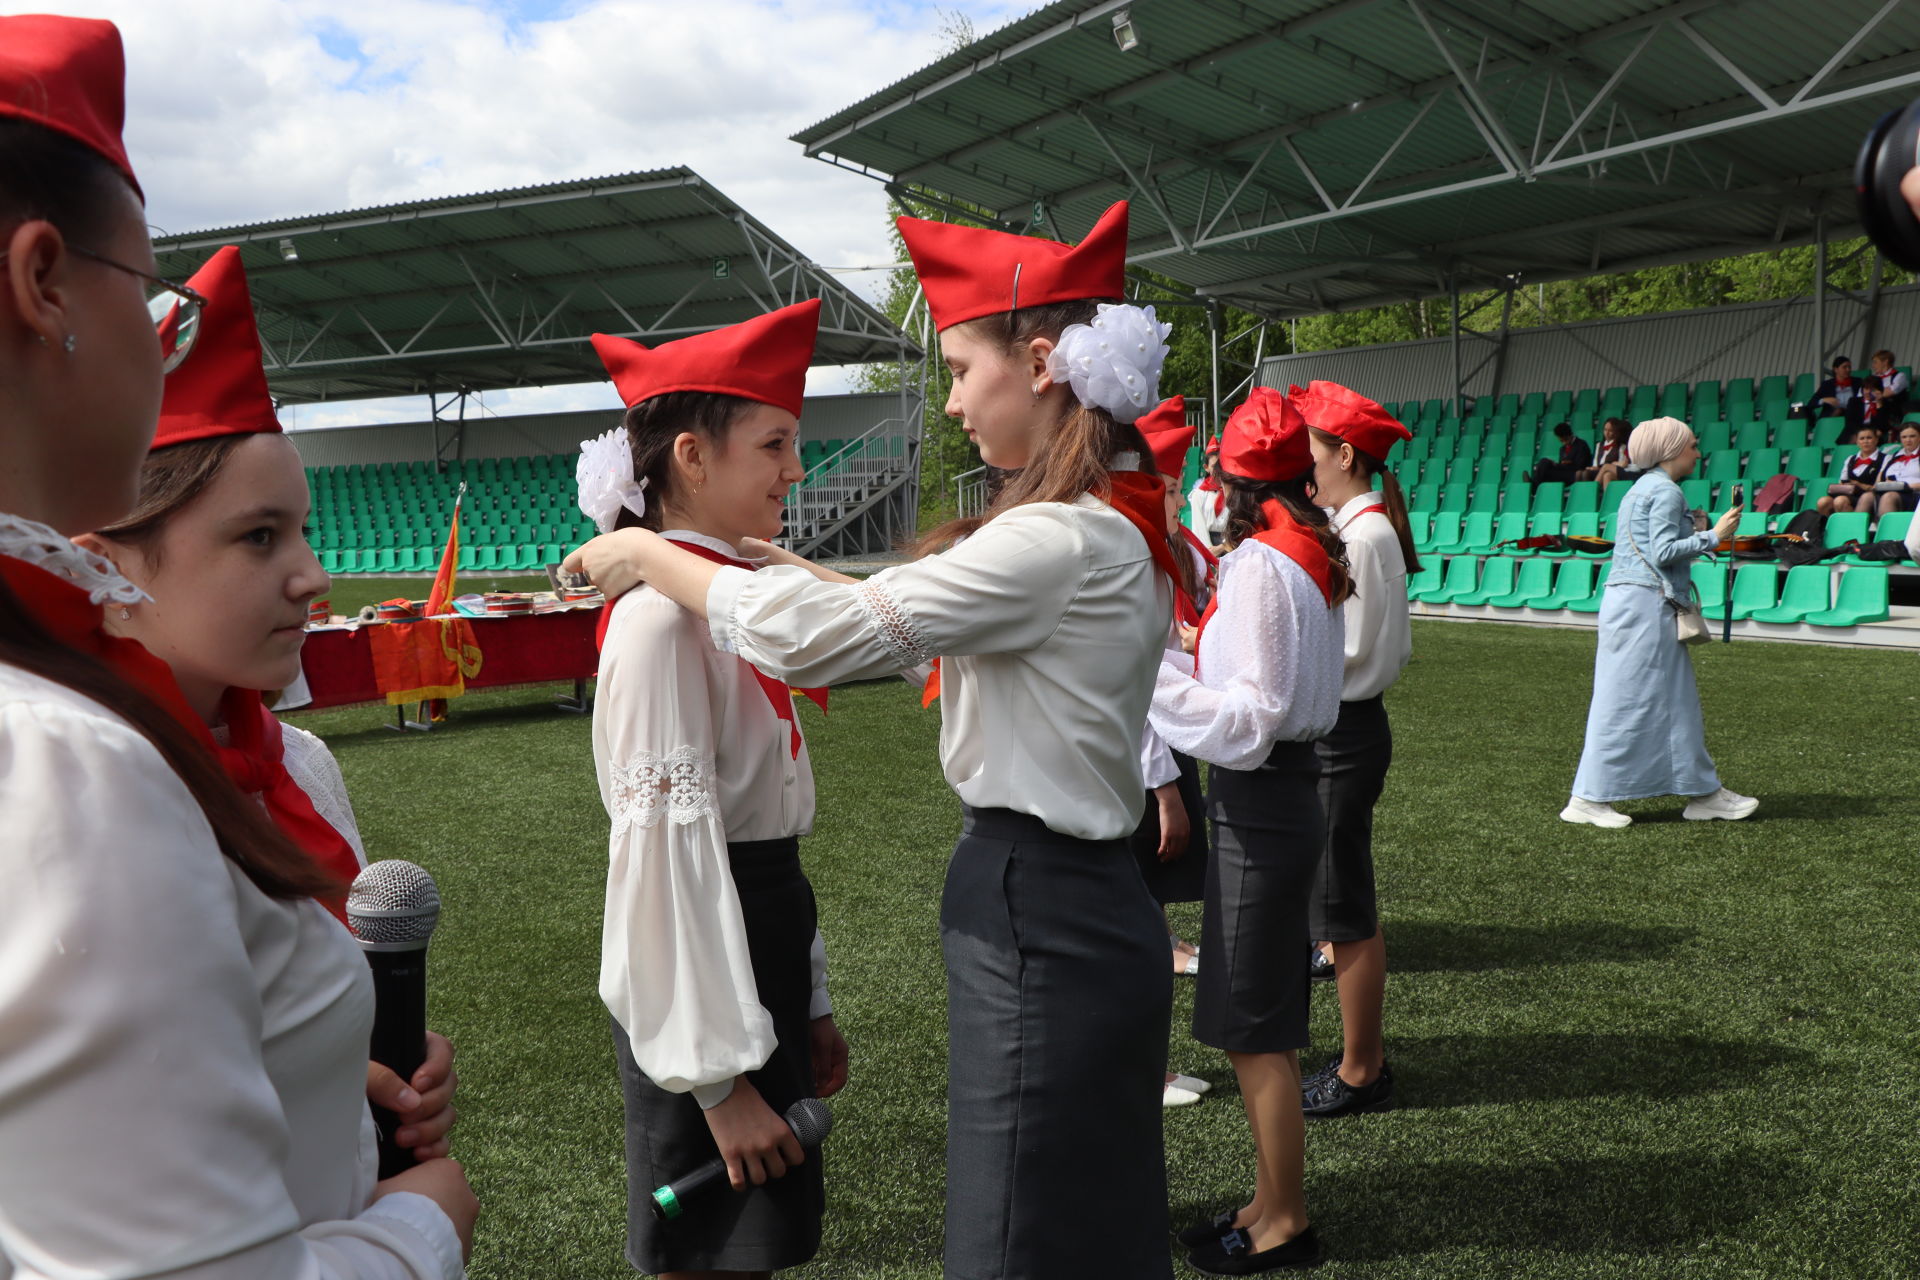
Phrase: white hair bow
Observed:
(1113, 363)
(605, 476)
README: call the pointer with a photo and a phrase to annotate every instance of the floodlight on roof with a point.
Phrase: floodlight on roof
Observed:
(1124, 33)
(288, 253)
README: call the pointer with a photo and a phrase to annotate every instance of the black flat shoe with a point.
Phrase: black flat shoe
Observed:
(1331, 1096)
(1232, 1255)
(1320, 967)
(1209, 1231)
(1330, 1067)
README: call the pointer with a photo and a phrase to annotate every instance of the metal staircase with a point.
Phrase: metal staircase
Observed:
(859, 500)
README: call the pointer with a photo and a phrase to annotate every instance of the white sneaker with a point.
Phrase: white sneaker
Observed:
(1594, 812)
(1192, 1084)
(1723, 803)
(1173, 1095)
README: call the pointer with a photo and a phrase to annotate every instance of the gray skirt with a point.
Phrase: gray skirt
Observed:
(1185, 878)
(1059, 997)
(1268, 835)
(763, 1228)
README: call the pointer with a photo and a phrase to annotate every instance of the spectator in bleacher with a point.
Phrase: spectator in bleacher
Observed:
(1843, 396)
(1901, 467)
(1888, 393)
(1853, 491)
(1613, 462)
(216, 541)
(1645, 733)
(706, 777)
(1576, 455)
(183, 1083)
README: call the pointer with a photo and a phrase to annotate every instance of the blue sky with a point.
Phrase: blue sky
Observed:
(246, 110)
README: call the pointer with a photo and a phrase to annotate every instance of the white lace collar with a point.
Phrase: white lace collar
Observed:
(43, 547)
(712, 544)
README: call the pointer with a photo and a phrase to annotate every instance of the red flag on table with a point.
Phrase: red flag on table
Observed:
(440, 599)
(430, 661)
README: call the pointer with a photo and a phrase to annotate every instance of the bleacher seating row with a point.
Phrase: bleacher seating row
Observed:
(519, 514)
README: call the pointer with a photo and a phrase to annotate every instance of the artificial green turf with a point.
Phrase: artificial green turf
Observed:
(1682, 1049)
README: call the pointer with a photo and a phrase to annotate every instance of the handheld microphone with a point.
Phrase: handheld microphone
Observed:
(392, 909)
(811, 1121)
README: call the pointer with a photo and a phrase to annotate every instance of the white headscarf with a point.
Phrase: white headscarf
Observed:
(1658, 440)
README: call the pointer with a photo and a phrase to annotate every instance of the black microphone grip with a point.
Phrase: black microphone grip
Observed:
(399, 1040)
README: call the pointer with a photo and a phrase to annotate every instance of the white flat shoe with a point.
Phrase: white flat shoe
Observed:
(1192, 1084)
(1730, 805)
(1595, 813)
(1174, 1096)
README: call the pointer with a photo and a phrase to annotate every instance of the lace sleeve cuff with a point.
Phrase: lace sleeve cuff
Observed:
(891, 623)
(647, 787)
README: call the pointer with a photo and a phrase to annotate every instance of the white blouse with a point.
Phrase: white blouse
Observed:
(689, 755)
(1156, 759)
(1207, 515)
(1270, 665)
(1379, 634)
(1049, 622)
(184, 1088)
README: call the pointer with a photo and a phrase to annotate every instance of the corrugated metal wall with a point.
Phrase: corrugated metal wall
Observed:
(1748, 340)
(821, 418)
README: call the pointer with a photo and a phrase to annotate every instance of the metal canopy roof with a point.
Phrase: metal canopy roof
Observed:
(1299, 156)
(503, 289)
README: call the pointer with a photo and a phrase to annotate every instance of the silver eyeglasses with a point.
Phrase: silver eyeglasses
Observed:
(175, 309)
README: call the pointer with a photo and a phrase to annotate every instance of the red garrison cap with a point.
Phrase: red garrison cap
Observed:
(70, 75)
(1168, 435)
(222, 390)
(1266, 439)
(1344, 412)
(762, 359)
(969, 272)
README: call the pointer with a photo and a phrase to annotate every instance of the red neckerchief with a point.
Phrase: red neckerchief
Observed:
(254, 758)
(1870, 462)
(1903, 458)
(1285, 535)
(1371, 506)
(1210, 485)
(1843, 382)
(779, 696)
(1185, 607)
(66, 613)
(64, 610)
(1142, 499)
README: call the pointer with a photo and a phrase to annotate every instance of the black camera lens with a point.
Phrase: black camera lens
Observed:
(1891, 149)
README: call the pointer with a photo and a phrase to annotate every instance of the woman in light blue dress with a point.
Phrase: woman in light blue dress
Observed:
(1645, 735)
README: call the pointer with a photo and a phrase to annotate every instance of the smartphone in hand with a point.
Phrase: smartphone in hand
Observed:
(1739, 495)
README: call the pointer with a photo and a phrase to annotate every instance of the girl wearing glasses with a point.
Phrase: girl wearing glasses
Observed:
(190, 1100)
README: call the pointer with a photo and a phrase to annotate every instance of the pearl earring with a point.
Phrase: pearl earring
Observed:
(70, 343)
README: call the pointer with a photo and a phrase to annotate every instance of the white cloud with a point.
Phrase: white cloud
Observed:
(246, 110)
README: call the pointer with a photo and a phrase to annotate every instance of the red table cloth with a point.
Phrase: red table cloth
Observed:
(529, 649)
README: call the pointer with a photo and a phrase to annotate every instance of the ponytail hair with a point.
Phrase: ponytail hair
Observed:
(1071, 455)
(246, 835)
(1244, 519)
(1394, 497)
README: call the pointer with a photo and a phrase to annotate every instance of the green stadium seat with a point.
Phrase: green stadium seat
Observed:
(351, 561)
(1805, 593)
(1615, 494)
(1427, 577)
(1476, 535)
(1583, 524)
(1893, 527)
(1582, 424)
(1762, 466)
(1643, 404)
(331, 562)
(1446, 531)
(1791, 434)
(1463, 574)
(1582, 496)
(1772, 387)
(1420, 526)
(386, 560)
(1613, 404)
(1754, 587)
(1720, 468)
(1534, 580)
(1424, 496)
(1805, 462)
(1750, 436)
(1534, 404)
(1454, 495)
(1752, 524)
(1846, 526)
(1574, 581)
(1709, 584)
(524, 557)
(1544, 525)
(1592, 603)
(468, 560)
(1673, 401)
(1559, 404)
(1496, 579)
(1509, 526)
(1862, 598)
(1549, 498)
(1486, 497)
